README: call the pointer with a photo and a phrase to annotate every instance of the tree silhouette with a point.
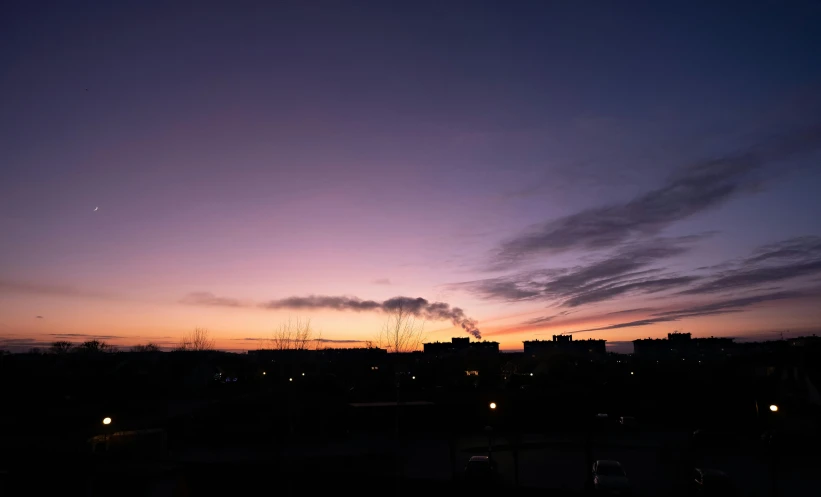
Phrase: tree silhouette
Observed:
(295, 335)
(93, 346)
(61, 347)
(149, 347)
(401, 331)
(197, 340)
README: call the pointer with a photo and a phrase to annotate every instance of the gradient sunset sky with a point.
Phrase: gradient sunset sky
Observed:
(617, 169)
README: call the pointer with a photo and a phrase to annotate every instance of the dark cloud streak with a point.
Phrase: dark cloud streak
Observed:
(715, 308)
(694, 190)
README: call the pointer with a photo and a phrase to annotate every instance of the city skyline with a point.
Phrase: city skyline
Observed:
(527, 170)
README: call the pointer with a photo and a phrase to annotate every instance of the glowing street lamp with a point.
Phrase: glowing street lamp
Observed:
(106, 421)
(773, 408)
(493, 405)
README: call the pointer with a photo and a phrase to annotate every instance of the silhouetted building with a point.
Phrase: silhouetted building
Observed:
(566, 345)
(682, 346)
(460, 345)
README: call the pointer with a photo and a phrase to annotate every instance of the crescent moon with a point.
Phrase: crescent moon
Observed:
(95, 209)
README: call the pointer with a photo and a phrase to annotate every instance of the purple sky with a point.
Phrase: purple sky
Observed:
(545, 167)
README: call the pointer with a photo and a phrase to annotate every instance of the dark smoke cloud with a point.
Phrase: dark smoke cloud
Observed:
(419, 307)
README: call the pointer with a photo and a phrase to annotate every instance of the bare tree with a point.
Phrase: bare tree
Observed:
(95, 346)
(149, 347)
(295, 335)
(197, 340)
(401, 332)
(61, 347)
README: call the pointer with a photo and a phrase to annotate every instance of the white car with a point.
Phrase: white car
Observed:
(609, 477)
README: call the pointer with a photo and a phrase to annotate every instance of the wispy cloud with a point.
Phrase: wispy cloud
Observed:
(382, 281)
(545, 319)
(87, 336)
(712, 309)
(630, 311)
(539, 320)
(209, 299)
(693, 190)
(790, 259)
(24, 287)
(629, 270)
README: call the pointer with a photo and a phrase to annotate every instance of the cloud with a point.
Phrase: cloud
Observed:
(320, 340)
(539, 320)
(634, 286)
(435, 311)
(693, 190)
(51, 290)
(630, 311)
(20, 344)
(83, 335)
(209, 299)
(545, 319)
(38, 317)
(790, 259)
(628, 270)
(711, 309)
(382, 281)
(8, 286)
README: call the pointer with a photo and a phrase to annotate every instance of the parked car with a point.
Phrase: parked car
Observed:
(609, 478)
(712, 482)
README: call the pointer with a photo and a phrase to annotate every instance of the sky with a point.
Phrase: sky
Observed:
(612, 170)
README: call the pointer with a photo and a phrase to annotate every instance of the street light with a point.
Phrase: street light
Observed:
(773, 408)
(493, 405)
(106, 420)
(290, 379)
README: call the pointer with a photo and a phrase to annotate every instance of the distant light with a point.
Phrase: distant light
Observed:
(493, 405)
(107, 420)
(632, 372)
(413, 377)
(263, 373)
(290, 379)
(303, 374)
(773, 408)
(531, 374)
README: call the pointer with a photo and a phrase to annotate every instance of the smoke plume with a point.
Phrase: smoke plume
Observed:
(419, 307)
